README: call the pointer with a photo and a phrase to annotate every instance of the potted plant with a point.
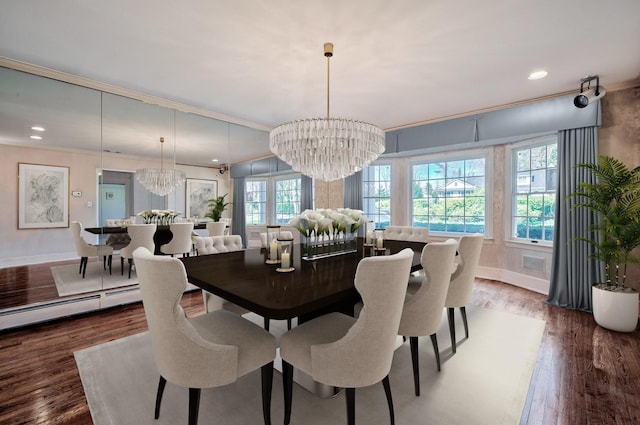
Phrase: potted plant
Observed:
(615, 200)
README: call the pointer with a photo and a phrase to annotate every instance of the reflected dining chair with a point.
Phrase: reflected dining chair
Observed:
(422, 311)
(411, 234)
(209, 350)
(86, 250)
(141, 236)
(462, 280)
(180, 242)
(339, 350)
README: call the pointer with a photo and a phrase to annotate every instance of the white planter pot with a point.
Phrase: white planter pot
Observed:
(615, 310)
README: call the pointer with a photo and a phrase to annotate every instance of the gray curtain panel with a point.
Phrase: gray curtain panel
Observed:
(353, 191)
(238, 218)
(306, 193)
(572, 271)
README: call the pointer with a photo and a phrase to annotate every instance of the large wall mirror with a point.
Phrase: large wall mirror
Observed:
(101, 139)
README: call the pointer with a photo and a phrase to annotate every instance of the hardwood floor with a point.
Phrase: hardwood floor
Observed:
(584, 374)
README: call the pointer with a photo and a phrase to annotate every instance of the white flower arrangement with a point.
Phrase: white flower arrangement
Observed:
(159, 216)
(329, 222)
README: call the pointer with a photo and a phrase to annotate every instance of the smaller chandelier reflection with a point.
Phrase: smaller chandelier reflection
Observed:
(160, 181)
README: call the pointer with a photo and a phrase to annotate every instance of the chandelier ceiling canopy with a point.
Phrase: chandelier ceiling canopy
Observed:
(327, 148)
(161, 181)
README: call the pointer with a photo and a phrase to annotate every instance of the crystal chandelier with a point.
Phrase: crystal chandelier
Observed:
(160, 181)
(327, 148)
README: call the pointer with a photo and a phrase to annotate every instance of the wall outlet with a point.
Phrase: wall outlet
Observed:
(89, 204)
(76, 194)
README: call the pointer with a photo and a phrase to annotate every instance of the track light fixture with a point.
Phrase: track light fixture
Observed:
(588, 94)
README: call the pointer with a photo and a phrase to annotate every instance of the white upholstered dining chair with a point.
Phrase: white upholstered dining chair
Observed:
(141, 236)
(422, 311)
(411, 234)
(180, 242)
(462, 279)
(210, 350)
(339, 350)
(86, 250)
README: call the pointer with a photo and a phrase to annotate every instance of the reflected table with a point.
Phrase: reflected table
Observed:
(162, 236)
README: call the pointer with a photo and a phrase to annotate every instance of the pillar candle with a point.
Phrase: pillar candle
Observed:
(285, 260)
(273, 251)
(368, 238)
(379, 243)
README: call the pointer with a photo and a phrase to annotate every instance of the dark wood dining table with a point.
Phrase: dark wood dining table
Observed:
(313, 288)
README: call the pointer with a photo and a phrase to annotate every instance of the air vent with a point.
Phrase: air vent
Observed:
(533, 263)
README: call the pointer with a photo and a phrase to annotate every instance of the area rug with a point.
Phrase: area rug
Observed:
(485, 382)
(70, 282)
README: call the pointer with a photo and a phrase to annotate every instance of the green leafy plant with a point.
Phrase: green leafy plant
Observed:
(217, 206)
(615, 200)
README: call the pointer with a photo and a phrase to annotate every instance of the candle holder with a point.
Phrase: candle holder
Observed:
(273, 247)
(286, 255)
(379, 243)
(369, 234)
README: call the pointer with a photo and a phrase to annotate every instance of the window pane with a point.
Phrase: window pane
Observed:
(449, 196)
(256, 202)
(534, 191)
(376, 194)
(287, 199)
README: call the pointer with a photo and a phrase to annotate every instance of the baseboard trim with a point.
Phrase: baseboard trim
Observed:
(37, 259)
(531, 283)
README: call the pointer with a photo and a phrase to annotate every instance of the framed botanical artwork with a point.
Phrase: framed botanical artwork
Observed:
(198, 193)
(43, 196)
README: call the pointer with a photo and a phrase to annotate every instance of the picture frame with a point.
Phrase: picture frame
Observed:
(43, 196)
(198, 192)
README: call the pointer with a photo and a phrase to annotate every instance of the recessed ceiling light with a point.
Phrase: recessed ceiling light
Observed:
(37, 128)
(537, 75)
(214, 160)
(34, 137)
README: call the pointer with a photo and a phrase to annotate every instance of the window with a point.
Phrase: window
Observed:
(255, 199)
(287, 199)
(449, 196)
(534, 184)
(376, 194)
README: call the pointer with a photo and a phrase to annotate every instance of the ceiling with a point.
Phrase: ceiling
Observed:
(396, 63)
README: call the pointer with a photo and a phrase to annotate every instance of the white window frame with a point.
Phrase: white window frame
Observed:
(274, 197)
(511, 188)
(485, 153)
(367, 213)
(266, 202)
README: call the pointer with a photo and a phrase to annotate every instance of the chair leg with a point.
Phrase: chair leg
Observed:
(387, 391)
(122, 266)
(104, 262)
(434, 341)
(350, 395)
(84, 261)
(267, 385)
(287, 386)
(266, 324)
(194, 405)
(463, 312)
(413, 342)
(288, 324)
(161, 384)
(130, 260)
(452, 327)
(109, 262)
(81, 263)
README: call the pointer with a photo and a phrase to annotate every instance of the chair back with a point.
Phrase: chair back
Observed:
(180, 243)
(422, 311)
(217, 244)
(216, 228)
(141, 236)
(182, 356)
(406, 233)
(82, 247)
(366, 351)
(462, 279)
